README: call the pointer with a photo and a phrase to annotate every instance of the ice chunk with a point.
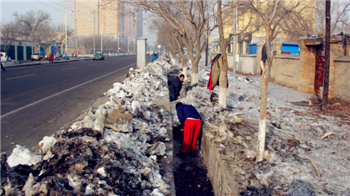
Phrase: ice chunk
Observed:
(22, 155)
(47, 143)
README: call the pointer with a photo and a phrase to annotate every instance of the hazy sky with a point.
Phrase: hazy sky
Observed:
(52, 7)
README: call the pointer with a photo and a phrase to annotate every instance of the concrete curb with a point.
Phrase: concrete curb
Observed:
(41, 63)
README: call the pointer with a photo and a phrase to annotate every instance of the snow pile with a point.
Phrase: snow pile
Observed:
(114, 150)
(294, 139)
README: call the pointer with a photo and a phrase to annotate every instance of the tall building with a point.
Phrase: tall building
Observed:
(68, 14)
(139, 24)
(96, 16)
(130, 23)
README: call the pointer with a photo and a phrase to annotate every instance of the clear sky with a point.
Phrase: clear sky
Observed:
(52, 7)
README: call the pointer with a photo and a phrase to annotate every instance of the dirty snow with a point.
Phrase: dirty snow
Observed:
(114, 150)
(294, 138)
(120, 156)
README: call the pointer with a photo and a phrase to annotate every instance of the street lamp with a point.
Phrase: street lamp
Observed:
(76, 34)
(93, 12)
(159, 46)
(102, 37)
(67, 29)
(118, 42)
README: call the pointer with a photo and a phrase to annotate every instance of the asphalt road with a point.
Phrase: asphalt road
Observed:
(38, 100)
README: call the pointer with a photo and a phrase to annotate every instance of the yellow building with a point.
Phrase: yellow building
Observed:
(98, 16)
(254, 32)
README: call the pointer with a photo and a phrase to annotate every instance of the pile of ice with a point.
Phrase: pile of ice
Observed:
(114, 150)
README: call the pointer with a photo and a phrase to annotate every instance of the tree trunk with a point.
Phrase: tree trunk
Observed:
(194, 74)
(327, 56)
(222, 61)
(264, 87)
(263, 109)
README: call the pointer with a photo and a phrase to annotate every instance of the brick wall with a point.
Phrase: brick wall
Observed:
(286, 70)
(341, 77)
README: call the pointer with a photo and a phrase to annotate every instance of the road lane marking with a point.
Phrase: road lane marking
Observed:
(56, 94)
(68, 68)
(20, 77)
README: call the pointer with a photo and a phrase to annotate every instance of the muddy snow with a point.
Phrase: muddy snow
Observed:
(119, 148)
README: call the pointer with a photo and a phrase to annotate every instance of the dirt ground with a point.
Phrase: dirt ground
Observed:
(190, 173)
(336, 107)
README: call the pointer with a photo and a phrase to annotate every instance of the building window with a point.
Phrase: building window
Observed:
(241, 48)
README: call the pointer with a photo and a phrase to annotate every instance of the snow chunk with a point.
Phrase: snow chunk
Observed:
(47, 143)
(22, 155)
(156, 192)
(102, 171)
(158, 149)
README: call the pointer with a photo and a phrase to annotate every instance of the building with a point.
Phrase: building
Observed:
(253, 32)
(97, 16)
(139, 24)
(130, 24)
(68, 14)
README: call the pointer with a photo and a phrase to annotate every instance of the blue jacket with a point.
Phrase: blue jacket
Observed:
(187, 111)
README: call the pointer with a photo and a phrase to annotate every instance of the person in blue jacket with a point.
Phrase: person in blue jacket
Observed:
(175, 87)
(191, 121)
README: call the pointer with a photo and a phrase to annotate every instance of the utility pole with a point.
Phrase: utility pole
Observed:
(76, 39)
(93, 12)
(98, 18)
(234, 46)
(327, 56)
(66, 32)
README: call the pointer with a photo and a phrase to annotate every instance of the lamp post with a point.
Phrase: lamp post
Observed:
(102, 37)
(76, 34)
(159, 46)
(118, 42)
(67, 29)
(93, 12)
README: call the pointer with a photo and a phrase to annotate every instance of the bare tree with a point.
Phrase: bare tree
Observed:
(190, 24)
(278, 17)
(223, 17)
(33, 23)
(9, 33)
(167, 36)
(340, 12)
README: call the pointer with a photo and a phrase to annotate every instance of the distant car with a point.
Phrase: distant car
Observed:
(37, 56)
(98, 56)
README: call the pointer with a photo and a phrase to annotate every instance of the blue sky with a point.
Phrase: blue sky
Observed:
(52, 7)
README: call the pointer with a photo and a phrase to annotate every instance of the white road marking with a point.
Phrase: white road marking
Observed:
(54, 95)
(68, 68)
(20, 77)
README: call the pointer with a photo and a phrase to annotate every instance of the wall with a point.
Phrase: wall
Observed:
(286, 70)
(246, 64)
(222, 174)
(340, 77)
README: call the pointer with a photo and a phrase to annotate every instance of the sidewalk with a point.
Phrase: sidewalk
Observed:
(30, 63)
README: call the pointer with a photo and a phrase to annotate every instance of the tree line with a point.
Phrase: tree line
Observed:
(37, 27)
(184, 28)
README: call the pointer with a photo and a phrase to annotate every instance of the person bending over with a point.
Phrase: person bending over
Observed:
(191, 121)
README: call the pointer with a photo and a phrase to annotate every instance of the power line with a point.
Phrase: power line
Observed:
(49, 6)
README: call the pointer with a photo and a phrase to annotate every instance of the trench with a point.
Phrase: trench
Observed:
(190, 173)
